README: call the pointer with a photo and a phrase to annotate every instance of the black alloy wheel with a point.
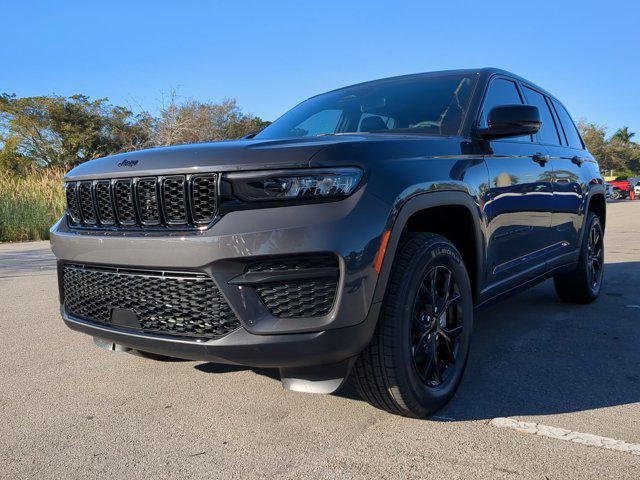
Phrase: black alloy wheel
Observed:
(583, 283)
(437, 325)
(595, 256)
(418, 353)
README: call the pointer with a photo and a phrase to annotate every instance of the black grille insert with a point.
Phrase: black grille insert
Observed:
(299, 299)
(175, 205)
(124, 202)
(148, 201)
(307, 287)
(181, 304)
(73, 210)
(173, 202)
(203, 198)
(104, 202)
(85, 199)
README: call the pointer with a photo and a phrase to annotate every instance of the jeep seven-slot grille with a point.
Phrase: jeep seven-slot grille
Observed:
(169, 303)
(171, 202)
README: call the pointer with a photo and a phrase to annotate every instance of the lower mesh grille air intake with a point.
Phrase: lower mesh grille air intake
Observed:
(180, 304)
(300, 299)
(312, 294)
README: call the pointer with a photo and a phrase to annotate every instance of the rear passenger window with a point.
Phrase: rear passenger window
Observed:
(570, 130)
(547, 133)
(501, 92)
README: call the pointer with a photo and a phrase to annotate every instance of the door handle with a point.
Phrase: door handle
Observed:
(577, 160)
(541, 158)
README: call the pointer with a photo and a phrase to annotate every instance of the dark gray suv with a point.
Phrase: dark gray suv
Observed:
(353, 237)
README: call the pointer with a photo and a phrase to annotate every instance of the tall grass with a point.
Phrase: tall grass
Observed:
(29, 205)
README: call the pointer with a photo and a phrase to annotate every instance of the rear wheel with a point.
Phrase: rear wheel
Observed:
(417, 357)
(583, 284)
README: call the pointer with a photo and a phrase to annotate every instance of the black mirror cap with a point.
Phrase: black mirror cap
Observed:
(511, 121)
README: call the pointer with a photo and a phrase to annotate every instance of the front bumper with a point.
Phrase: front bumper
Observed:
(350, 229)
(243, 348)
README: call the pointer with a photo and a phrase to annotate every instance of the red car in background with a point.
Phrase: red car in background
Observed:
(624, 185)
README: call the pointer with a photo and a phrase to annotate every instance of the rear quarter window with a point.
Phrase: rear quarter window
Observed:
(570, 130)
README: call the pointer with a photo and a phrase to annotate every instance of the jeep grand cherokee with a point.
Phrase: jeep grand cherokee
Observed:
(353, 237)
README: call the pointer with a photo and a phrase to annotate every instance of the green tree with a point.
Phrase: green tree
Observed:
(623, 135)
(194, 121)
(66, 131)
(595, 137)
(618, 153)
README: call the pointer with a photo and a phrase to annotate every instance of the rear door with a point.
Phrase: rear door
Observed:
(520, 198)
(565, 180)
(572, 172)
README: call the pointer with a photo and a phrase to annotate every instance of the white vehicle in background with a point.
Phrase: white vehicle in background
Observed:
(608, 189)
(636, 189)
(611, 192)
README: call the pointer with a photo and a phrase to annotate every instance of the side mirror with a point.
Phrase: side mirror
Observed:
(250, 135)
(511, 121)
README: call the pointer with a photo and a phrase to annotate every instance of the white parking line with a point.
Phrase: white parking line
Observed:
(566, 435)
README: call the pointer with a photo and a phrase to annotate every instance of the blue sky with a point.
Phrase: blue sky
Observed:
(272, 54)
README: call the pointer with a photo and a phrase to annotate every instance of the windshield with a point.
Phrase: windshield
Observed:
(433, 105)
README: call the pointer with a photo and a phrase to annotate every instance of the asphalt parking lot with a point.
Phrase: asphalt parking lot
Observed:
(70, 410)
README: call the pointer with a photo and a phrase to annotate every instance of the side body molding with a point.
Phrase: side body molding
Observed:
(401, 215)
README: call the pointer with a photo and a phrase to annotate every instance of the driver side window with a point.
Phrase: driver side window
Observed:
(321, 123)
(502, 92)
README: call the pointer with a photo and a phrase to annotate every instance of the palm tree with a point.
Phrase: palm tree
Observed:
(623, 135)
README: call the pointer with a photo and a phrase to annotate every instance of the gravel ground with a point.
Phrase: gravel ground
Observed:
(69, 410)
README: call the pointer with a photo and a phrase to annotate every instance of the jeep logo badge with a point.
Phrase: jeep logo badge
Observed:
(128, 163)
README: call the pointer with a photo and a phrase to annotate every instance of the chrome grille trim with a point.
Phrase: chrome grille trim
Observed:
(160, 203)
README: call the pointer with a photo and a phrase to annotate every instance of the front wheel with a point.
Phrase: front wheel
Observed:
(419, 351)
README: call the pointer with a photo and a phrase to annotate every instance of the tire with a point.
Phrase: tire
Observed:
(583, 284)
(396, 372)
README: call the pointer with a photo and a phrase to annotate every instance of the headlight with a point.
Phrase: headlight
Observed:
(303, 184)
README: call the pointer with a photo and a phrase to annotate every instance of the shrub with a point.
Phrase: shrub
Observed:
(30, 204)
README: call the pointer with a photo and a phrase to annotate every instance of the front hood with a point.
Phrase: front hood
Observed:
(210, 157)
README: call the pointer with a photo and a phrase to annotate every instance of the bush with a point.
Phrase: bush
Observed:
(30, 204)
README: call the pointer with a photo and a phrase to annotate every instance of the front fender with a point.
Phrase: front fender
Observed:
(398, 221)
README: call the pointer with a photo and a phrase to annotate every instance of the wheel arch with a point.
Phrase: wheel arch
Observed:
(425, 209)
(598, 205)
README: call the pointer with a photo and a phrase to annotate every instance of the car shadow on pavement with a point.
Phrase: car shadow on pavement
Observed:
(221, 368)
(346, 391)
(535, 355)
